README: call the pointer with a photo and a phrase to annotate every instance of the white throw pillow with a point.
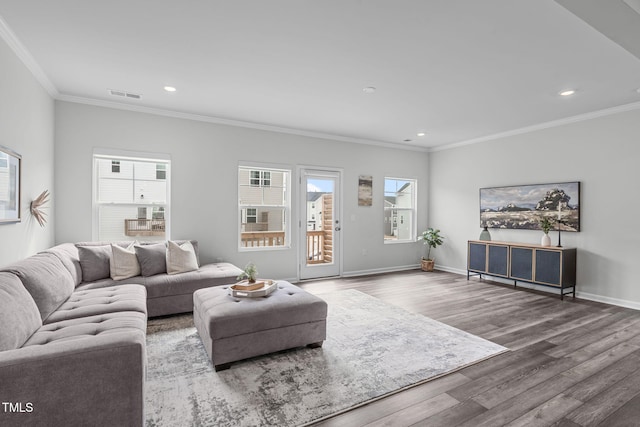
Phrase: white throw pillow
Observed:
(181, 258)
(124, 262)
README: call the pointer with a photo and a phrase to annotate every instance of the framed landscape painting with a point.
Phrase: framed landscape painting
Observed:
(10, 163)
(522, 206)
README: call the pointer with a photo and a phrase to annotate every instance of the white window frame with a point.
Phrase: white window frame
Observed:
(117, 155)
(286, 207)
(413, 210)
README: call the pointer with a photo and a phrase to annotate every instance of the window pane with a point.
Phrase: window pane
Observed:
(128, 222)
(399, 209)
(249, 216)
(161, 171)
(268, 230)
(125, 190)
(158, 213)
(255, 178)
(264, 207)
(398, 224)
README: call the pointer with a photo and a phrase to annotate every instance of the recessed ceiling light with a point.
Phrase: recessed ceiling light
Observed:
(369, 89)
(567, 92)
(421, 134)
(170, 88)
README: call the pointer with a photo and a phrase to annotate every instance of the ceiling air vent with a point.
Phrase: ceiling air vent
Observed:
(124, 94)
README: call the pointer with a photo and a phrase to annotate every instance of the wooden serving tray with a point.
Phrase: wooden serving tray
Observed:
(267, 287)
(246, 286)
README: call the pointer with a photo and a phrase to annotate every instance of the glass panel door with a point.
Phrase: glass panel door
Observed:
(320, 224)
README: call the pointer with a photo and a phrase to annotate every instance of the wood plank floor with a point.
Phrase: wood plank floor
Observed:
(572, 362)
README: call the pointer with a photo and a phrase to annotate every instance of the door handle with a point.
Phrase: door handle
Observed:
(337, 228)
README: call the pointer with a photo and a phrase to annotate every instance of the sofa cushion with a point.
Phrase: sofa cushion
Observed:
(152, 258)
(47, 280)
(91, 302)
(123, 262)
(88, 328)
(208, 275)
(19, 315)
(181, 257)
(68, 254)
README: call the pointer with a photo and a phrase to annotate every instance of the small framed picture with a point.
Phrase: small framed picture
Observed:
(365, 190)
(10, 169)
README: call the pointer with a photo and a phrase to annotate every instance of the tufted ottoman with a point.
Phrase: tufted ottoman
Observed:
(233, 328)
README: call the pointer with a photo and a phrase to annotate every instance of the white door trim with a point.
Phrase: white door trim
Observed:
(301, 210)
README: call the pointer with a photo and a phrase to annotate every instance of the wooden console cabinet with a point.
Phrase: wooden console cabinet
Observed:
(541, 265)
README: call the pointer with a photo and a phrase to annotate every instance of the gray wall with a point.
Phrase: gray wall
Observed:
(26, 127)
(204, 161)
(603, 153)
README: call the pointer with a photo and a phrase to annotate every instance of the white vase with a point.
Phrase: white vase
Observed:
(546, 240)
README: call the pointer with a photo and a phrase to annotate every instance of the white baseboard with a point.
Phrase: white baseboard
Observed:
(380, 270)
(450, 269)
(584, 295)
(608, 300)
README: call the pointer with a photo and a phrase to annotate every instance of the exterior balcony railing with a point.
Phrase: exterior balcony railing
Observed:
(253, 239)
(144, 227)
(319, 247)
(319, 243)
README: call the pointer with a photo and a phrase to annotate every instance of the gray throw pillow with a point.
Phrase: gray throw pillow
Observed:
(19, 315)
(94, 262)
(152, 259)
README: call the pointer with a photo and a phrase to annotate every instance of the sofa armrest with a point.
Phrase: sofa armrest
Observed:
(97, 381)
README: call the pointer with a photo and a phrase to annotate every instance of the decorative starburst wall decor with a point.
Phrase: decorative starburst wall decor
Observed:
(37, 206)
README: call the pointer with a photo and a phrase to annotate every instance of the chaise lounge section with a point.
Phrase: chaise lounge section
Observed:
(62, 367)
(72, 350)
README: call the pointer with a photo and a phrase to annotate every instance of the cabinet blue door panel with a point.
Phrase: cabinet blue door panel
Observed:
(477, 257)
(522, 263)
(548, 266)
(498, 260)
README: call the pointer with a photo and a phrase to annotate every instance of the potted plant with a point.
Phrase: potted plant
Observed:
(432, 239)
(250, 272)
(546, 224)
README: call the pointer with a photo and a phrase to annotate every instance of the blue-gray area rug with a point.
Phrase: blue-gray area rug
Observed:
(373, 349)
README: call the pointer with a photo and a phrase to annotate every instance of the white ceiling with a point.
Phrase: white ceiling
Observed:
(461, 71)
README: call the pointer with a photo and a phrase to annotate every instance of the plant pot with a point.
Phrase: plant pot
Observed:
(546, 240)
(427, 264)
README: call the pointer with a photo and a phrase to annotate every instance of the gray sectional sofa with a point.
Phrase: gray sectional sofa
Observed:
(72, 351)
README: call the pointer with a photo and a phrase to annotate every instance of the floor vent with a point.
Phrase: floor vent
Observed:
(124, 94)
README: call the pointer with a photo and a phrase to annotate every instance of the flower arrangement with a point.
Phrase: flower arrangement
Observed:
(250, 272)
